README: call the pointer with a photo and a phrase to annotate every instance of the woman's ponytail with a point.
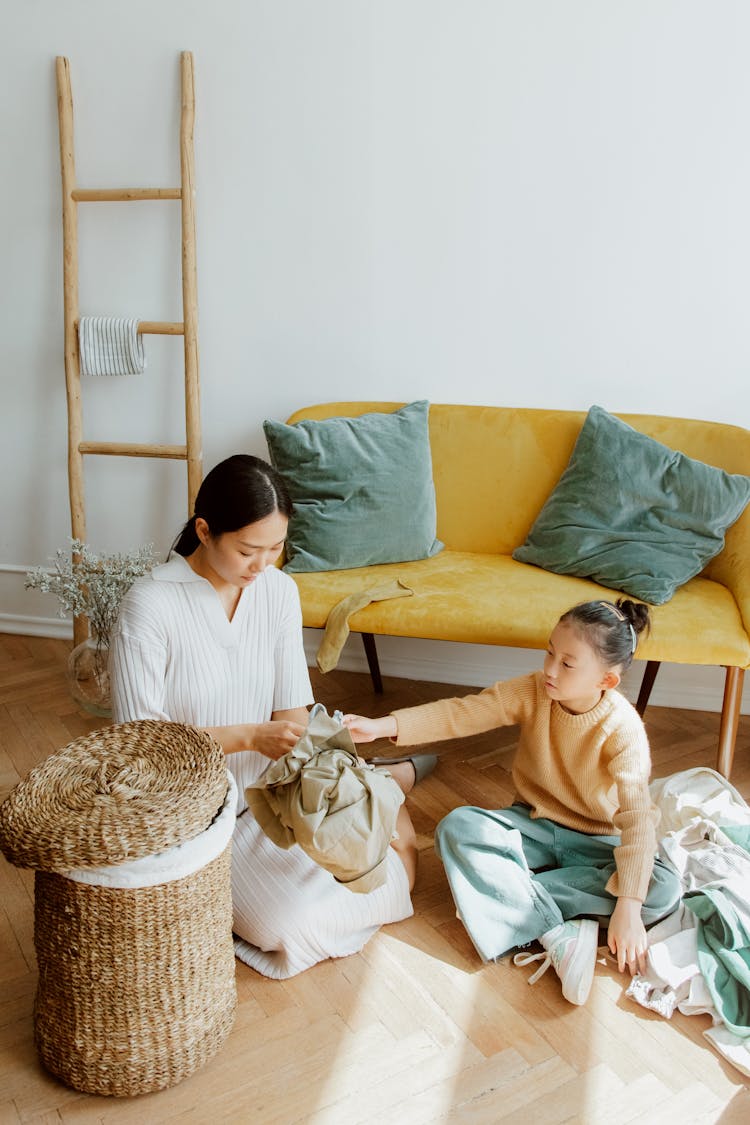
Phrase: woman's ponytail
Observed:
(187, 541)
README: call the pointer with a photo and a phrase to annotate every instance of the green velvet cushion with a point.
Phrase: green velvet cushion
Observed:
(633, 514)
(362, 488)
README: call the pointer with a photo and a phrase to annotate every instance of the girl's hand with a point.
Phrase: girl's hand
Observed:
(626, 936)
(367, 730)
(275, 738)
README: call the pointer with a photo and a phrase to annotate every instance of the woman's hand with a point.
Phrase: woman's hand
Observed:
(626, 936)
(275, 738)
(367, 730)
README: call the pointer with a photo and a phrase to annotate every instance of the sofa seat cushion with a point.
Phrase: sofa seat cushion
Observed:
(492, 599)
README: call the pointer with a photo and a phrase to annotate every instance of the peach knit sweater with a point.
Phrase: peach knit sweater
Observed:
(587, 772)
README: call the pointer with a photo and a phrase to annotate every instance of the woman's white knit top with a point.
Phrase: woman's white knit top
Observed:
(176, 656)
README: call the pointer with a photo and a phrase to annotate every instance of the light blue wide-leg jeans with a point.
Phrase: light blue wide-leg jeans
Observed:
(513, 878)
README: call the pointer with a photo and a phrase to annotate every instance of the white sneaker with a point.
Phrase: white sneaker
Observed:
(571, 950)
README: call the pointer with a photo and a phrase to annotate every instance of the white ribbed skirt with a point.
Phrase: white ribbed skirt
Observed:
(289, 913)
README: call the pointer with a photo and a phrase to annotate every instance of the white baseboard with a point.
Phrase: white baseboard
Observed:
(30, 626)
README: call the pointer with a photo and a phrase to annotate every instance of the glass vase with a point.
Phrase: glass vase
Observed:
(88, 677)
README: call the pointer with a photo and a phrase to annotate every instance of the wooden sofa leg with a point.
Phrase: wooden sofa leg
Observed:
(649, 675)
(730, 717)
(368, 640)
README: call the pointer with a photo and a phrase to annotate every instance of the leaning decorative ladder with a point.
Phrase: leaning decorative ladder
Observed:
(188, 328)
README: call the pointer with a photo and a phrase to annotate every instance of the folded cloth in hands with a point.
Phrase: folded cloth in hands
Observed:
(341, 811)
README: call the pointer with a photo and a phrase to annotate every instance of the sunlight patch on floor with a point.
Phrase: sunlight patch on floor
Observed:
(414, 1046)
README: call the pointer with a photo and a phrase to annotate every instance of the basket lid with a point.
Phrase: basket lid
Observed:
(117, 794)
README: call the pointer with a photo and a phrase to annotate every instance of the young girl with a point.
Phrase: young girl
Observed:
(579, 842)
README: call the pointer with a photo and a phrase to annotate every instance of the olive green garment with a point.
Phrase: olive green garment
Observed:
(337, 622)
(340, 811)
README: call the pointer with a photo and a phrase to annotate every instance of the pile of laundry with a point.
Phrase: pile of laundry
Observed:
(699, 956)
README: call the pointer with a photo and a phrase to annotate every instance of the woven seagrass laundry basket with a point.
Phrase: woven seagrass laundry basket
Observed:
(129, 830)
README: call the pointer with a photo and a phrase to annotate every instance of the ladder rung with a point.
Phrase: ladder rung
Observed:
(131, 449)
(161, 327)
(158, 327)
(118, 195)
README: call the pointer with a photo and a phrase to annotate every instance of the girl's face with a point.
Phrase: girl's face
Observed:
(238, 557)
(574, 675)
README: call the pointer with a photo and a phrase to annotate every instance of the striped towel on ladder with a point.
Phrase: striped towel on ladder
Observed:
(110, 346)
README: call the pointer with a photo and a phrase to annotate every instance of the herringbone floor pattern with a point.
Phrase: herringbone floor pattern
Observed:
(414, 1029)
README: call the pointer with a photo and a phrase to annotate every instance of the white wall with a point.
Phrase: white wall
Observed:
(521, 202)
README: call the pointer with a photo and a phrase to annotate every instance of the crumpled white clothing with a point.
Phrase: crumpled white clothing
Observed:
(694, 805)
(700, 792)
(701, 853)
(730, 1046)
(673, 980)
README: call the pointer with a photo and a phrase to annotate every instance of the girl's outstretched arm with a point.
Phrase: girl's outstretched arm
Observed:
(367, 730)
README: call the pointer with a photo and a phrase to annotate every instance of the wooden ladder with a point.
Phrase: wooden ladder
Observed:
(71, 196)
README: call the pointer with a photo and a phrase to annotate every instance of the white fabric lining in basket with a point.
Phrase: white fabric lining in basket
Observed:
(175, 863)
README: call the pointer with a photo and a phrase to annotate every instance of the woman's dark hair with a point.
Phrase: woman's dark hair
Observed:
(611, 628)
(236, 492)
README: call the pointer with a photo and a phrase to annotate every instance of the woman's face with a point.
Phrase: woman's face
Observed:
(238, 557)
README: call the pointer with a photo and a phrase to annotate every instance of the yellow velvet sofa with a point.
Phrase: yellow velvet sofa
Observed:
(494, 468)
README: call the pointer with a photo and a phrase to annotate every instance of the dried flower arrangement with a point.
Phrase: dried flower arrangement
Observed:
(92, 585)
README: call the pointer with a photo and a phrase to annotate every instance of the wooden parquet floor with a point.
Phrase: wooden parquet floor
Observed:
(414, 1029)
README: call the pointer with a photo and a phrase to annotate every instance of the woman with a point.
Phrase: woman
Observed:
(213, 638)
